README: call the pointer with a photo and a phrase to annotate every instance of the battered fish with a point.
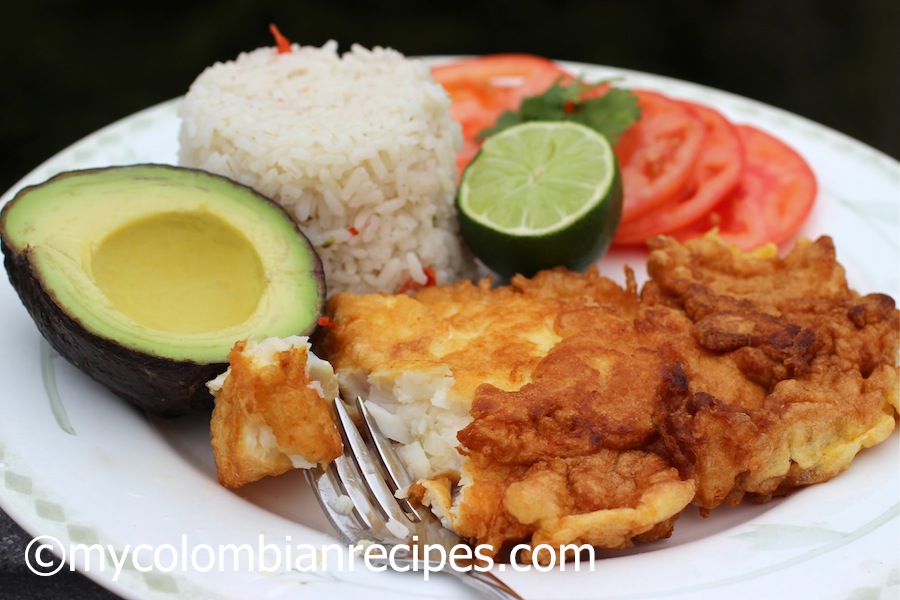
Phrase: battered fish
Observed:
(273, 411)
(789, 372)
(553, 420)
(566, 409)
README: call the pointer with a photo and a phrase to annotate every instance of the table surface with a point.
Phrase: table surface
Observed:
(18, 583)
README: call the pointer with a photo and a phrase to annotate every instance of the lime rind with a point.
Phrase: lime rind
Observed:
(537, 178)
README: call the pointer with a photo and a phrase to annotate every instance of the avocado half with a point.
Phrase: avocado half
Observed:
(145, 276)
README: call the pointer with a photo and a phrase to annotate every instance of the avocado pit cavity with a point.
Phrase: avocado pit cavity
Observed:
(182, 272)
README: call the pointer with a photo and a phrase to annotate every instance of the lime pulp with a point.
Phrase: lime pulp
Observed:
(540, 195)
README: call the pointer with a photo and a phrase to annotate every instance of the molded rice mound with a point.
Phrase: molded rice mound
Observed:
(359, 148)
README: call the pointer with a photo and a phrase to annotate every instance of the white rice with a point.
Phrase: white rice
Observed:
(359, 148)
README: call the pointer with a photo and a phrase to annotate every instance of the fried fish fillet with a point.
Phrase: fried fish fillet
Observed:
(272, 411)
(789, 372)
(520, 423)
(567, 409)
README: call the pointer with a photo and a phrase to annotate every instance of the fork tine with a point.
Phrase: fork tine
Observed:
(340, 474)
(396, 475)
(343, 479)
(426, 526)
(366, 466)
(352, 525)
(354, 474)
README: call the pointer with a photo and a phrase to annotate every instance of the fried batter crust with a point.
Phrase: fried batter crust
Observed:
(790, 372)
(598, 414)
(563, 395)
(276, 399)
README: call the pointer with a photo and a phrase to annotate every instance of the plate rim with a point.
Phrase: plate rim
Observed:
(886, 162)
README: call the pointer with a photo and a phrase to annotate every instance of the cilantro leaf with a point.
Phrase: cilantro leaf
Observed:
(611, 113)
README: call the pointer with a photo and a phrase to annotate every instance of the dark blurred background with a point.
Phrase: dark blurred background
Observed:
(68, 68)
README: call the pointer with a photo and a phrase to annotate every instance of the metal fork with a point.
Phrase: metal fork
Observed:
(369, 473)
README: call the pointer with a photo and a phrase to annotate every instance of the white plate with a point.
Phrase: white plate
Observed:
(79, 464)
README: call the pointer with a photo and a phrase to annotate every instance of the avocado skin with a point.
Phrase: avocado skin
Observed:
(161, 386)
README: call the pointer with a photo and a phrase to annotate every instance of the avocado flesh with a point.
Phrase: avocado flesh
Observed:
(145, 276)
(147, 269)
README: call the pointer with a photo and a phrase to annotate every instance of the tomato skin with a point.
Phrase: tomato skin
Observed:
(657, 154)
(685, 168)
(484, 87)
(774, 197)
(718, 170)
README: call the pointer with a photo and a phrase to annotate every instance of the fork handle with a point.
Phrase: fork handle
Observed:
(487, 582)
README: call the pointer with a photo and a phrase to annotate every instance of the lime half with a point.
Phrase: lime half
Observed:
(540, 195)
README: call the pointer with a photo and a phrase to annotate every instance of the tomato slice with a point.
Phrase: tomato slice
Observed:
(482, 88)
(775, 195)
(657, 154)
(717, 172)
